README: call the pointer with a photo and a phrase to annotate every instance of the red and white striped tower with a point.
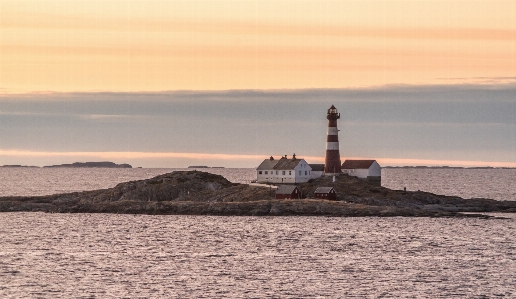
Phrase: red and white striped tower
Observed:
(332, 163)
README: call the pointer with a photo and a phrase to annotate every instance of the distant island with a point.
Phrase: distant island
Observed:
(19, 166)
(91, 165)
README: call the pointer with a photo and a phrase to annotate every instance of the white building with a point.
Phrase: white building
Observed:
(364, 169)
(283, 170)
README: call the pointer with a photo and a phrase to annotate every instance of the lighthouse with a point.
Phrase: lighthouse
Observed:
(332, 162)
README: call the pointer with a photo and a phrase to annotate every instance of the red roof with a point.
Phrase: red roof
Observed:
(324, 190)
(357, 164)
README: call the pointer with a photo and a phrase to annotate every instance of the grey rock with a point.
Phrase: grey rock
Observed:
(201, 193)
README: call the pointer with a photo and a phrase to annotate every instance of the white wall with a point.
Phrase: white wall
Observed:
(361, 173)
(375, 169)
(272, 177)
(303, 167)
(317, 174)
(293, 177)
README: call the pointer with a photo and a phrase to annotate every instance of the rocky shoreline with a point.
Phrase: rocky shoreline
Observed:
(201, 193)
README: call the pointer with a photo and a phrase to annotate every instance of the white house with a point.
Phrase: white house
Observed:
(283, 170)
(364, 169)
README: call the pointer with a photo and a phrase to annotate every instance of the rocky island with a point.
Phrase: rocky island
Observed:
(202, 193)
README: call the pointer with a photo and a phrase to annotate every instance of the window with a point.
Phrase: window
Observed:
(289, 172)
(260, 172)
(300, 172)
(306, 172)
(283, 172)
(276, 172)
(266, 172)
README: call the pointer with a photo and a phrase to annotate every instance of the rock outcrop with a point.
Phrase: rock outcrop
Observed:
(352, 189)
(201, 193)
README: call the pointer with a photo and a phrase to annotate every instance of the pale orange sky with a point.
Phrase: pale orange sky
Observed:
(218, 45)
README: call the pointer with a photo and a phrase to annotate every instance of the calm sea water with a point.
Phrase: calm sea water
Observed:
(142, 256)
(125, 256)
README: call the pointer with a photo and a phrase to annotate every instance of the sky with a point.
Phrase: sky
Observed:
(229, 83)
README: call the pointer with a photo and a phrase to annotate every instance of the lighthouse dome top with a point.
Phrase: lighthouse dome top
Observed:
(333, 114)
(332, 110)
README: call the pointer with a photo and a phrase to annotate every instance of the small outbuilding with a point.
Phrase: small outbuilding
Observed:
(363, 169)
(288, 191)
(325, 193)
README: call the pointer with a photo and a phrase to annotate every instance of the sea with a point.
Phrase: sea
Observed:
(45, 255)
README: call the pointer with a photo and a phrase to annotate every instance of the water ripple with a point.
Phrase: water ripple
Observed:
(126, 256)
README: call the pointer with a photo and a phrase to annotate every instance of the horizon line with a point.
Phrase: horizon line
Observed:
(118, 155)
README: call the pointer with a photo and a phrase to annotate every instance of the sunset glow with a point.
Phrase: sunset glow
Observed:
(169, 83)
(215, 45)
(234, 158)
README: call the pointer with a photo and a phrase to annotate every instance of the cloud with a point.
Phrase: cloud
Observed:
(143, 155)
(260, 27)
(467, 88)
(24, 113)
(126, 155)
(485, 81)
(112, 117)
(445, 122)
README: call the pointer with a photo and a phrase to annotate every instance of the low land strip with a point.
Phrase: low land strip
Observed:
(201, 193)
